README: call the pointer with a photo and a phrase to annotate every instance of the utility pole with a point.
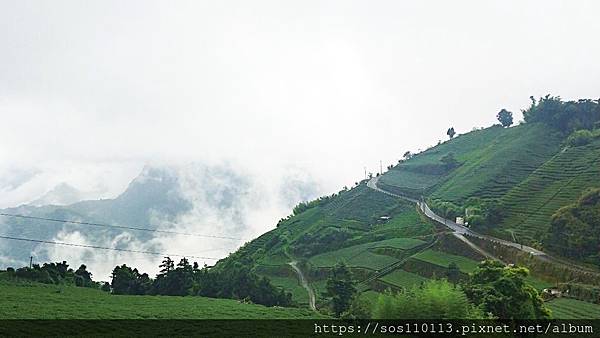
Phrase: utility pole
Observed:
(380, 167)
(365, 173)
(30, 261)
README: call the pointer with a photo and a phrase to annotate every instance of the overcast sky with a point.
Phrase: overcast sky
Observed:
(90, 91)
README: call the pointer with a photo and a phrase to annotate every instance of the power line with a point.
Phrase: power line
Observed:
(102, 247)
(117, 226)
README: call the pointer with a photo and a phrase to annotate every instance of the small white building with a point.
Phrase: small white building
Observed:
(552, 292)
(460, 220)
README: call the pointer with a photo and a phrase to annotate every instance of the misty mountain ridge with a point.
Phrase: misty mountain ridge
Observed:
(157, 196)
(61, 194)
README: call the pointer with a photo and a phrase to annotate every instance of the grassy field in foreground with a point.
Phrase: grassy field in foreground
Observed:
(564, 308)
(40, 301)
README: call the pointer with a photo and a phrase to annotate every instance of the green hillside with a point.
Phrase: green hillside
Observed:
(509, 180)
(495, 166)
(532, 170)
(402, 249)
(346, 227)
(42, 301)
(491, 162)
(558, 182)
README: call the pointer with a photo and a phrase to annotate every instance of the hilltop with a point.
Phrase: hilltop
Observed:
(510, 181)
(506, 182)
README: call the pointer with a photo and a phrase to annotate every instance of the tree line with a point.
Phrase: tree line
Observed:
(565, 116)
(236, 281)
(54, 273)
(185, 279)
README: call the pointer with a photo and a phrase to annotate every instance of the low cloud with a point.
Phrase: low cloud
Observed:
(225, 200)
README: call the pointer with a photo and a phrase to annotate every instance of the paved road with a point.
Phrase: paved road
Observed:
(304, 283)
(457, 228)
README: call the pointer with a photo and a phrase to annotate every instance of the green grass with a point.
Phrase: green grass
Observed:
(403, 278)
(291, 284)
(444, 259)
(361, 256)
(39, 301)
(564, 308)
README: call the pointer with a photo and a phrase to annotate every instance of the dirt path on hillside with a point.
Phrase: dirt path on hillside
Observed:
(304, 283)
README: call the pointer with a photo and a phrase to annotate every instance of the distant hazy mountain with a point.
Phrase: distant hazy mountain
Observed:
(157, 194)
(62, 194)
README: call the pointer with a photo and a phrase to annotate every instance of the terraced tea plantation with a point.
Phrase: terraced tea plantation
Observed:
(401, 278)
(444, 259)
(564, 308)
(555, 184)
(492, 161)
(362, 255)
(495, 166)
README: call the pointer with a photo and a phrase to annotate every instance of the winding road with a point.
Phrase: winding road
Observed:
(457, 228)
(304, 283)
(462, 232)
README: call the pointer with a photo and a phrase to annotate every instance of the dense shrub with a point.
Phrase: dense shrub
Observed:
(565, 116)
(34, 274)
(582, 137)
(449, 161)
(575, 229)
(484, 213)
(436, 299)
(504, 292)
(447, 210)
(584, 292)
(329, 239)
(55, 273)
